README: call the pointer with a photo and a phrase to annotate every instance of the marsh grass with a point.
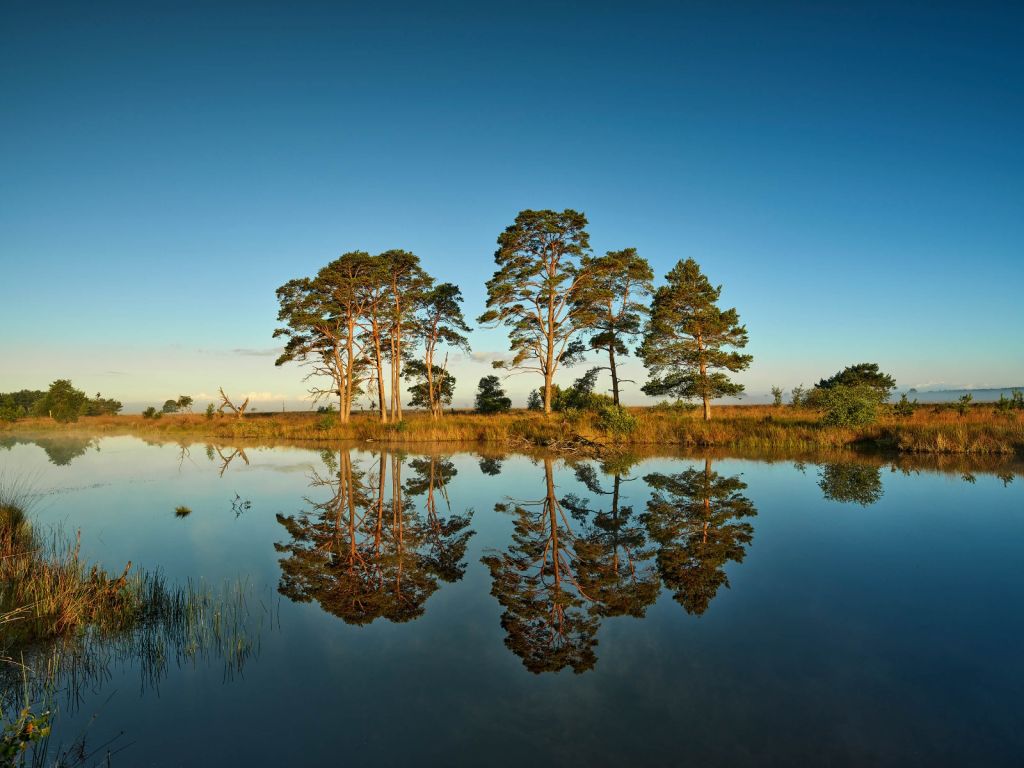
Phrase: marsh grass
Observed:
(941, 429)
(63, 623)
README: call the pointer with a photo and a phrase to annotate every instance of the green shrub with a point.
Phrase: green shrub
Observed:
(491, 397)
(616, 420)
(847, 405)
(210, 411)
(151, 413)
(964, 403)
(905, 408)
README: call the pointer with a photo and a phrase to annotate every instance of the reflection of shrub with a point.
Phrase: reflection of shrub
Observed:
(847, 406)
(850, 482)
(616, 420)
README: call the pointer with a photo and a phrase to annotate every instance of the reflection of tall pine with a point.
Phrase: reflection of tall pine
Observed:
(695, 518)
(684, 347)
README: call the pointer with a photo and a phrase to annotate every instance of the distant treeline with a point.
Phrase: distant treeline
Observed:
(61, 401)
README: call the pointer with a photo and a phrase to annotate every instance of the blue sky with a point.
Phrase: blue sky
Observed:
(853, 174)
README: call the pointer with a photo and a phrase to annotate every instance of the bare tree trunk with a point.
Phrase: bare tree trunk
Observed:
(615, 373)
(704, 379)
(396, 366)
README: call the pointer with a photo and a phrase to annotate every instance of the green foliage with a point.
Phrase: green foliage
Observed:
(777, 397)
(851, 482)
(18, 405)
(444, 385)
(964, 403)
(151, 413)
(210, 411)
(535, 400)
(798, 396)
(19, 734)
(905, 408)
(170, 406)
(843, 405)
(613, 293)
(185, 403)
(861, 374)
(580, 396)
(101, 406)
(62, 402)
(684, 347)
(616, 420)
(491, 397)
(535, 288)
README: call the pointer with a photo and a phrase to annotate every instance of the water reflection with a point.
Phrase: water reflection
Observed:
(560, 577)
(546, 616)
(696, 518)
(61, 450)
(851, 482)
(366, 552)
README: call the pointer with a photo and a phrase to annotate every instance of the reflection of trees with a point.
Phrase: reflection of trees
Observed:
(490, 465)
(851, 482)
(364, 554)
(225, 460)
(544, 616)
(612, 548)
(694, 517)
(61, 451)
(447, 537)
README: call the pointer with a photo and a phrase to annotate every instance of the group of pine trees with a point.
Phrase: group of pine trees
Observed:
(367, 322)
(357, 323)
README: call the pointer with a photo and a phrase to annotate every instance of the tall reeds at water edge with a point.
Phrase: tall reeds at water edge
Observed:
(64, 622)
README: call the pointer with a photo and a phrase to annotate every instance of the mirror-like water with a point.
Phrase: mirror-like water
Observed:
(454, 609)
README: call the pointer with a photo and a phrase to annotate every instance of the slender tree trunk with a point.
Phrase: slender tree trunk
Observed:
(552, 505)
(396, 367)
(615, 373)
(704, 378)
(382, 403)
(346, 410)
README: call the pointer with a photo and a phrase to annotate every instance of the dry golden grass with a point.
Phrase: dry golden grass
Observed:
(979, 431)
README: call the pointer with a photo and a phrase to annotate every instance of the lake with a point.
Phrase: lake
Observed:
(458, 609)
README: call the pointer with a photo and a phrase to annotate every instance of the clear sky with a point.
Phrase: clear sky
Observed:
(853, 174)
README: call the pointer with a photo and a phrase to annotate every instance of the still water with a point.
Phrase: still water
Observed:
(458, 609)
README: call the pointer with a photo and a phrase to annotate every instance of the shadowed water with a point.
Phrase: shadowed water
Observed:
(458, 609)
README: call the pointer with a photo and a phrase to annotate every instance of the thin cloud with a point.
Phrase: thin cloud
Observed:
(265, 352)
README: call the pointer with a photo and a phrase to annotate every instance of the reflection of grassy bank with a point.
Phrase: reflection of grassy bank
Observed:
(63, 622)
(980, 431)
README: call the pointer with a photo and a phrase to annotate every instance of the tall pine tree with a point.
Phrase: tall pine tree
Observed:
(685, 345)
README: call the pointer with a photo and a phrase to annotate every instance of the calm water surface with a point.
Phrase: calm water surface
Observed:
(462, 610)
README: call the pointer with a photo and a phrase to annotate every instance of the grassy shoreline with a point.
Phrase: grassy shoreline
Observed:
(979, 431)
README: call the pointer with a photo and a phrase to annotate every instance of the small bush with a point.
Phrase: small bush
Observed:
(210, 411)
(905, 408)
(798, 396)
(616, 420)
(964, 403)
(847, 406)
(151, 413)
